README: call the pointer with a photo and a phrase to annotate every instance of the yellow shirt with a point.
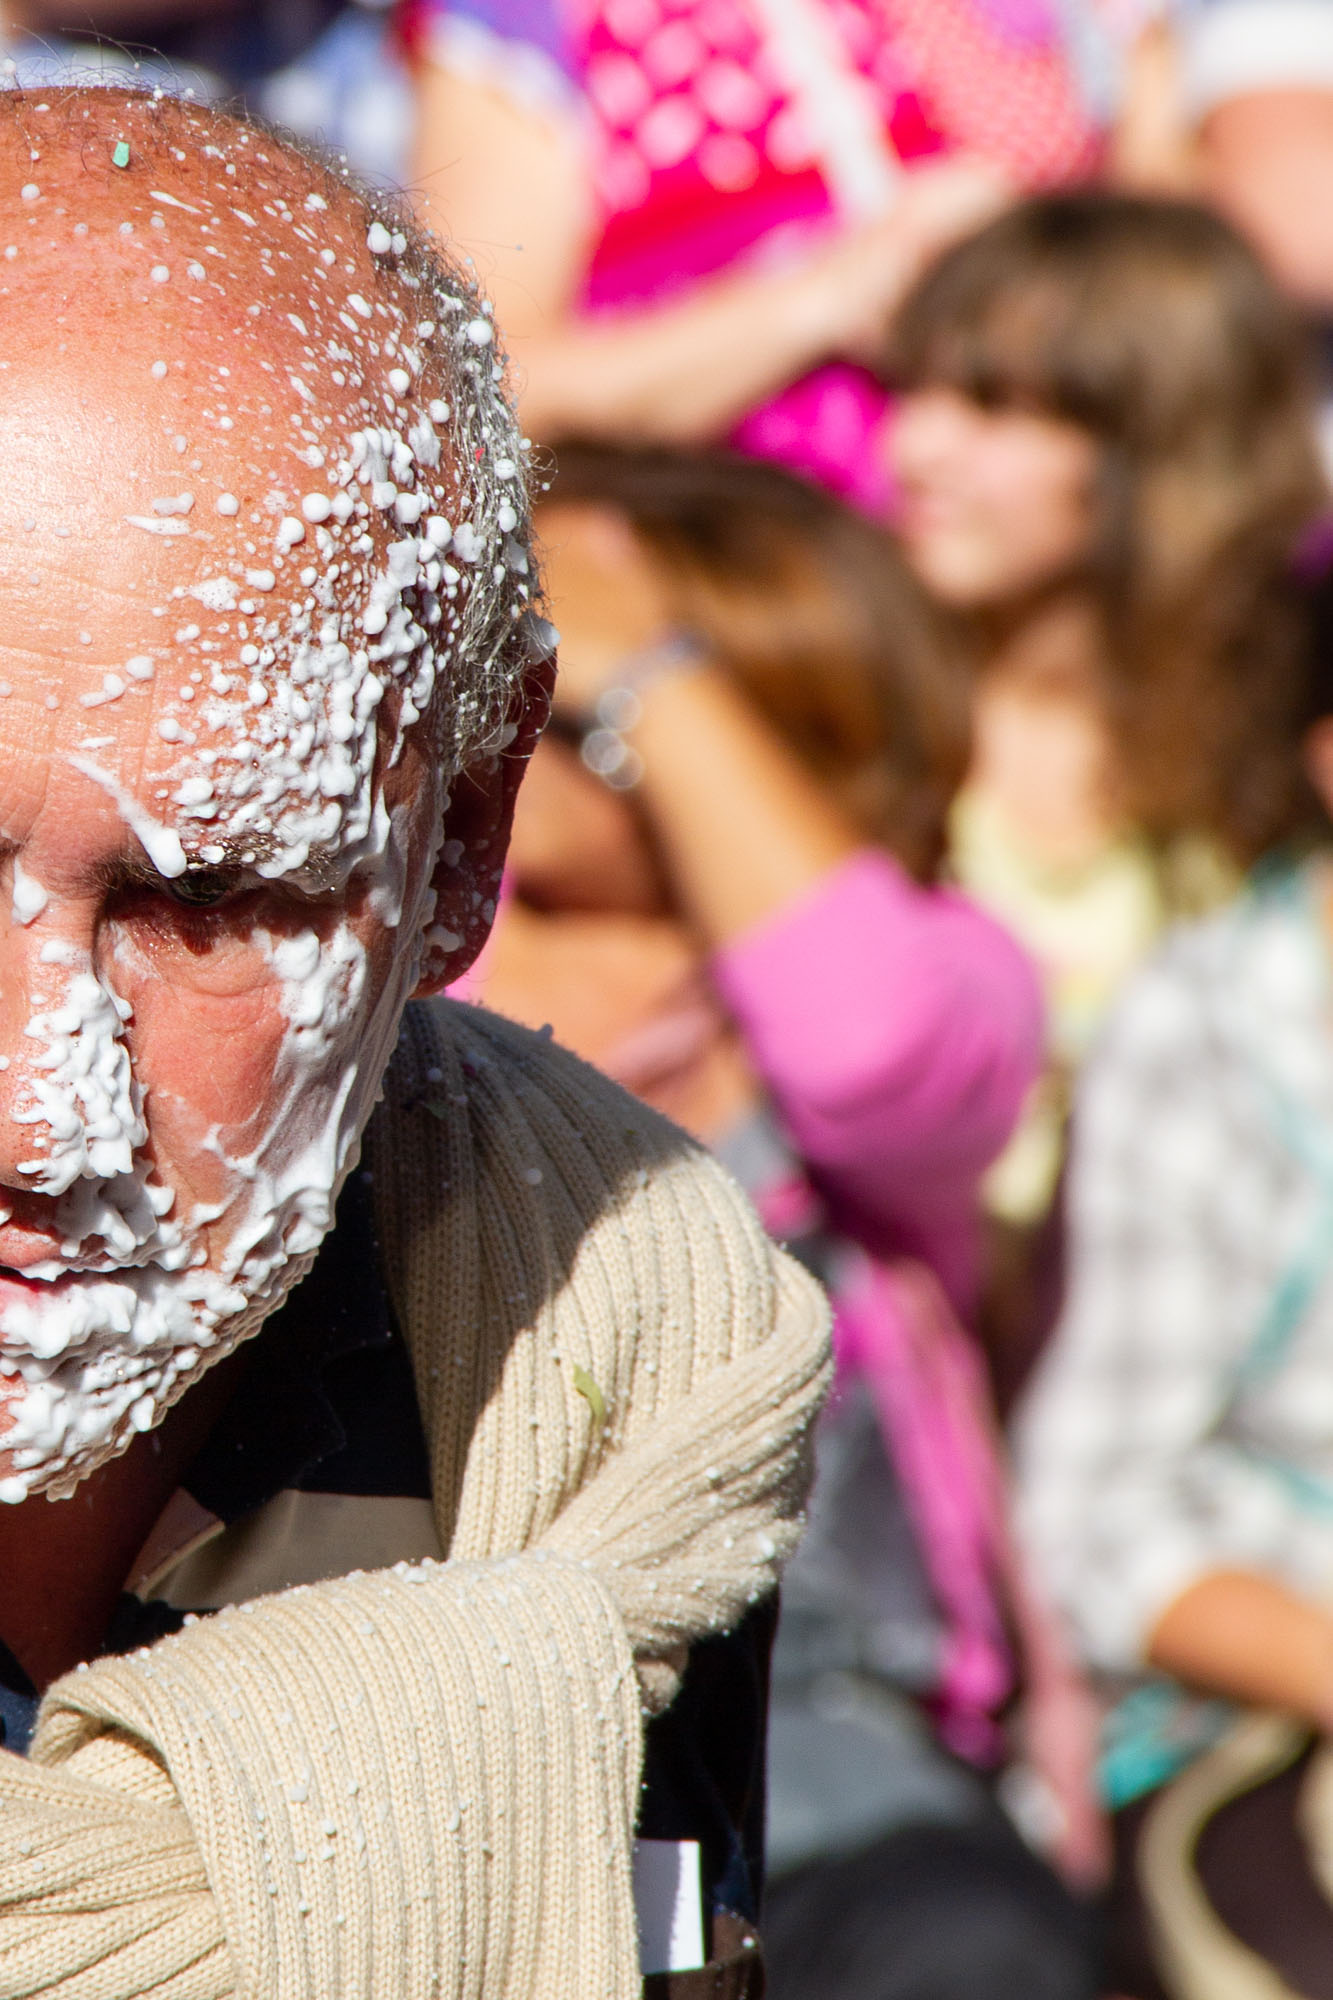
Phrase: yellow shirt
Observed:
(1087, 926)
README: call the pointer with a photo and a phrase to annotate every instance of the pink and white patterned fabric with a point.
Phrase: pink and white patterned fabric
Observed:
(701, 122)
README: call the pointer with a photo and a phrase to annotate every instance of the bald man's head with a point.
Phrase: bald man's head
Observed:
(194, 307)
(263, 564)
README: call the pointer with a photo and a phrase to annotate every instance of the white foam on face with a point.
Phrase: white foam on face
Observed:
(281, 728)
(157, 524)
(85, 1098)
(132, 1312)
(216, 593)
(162, 844)
(300, 734)
(27, 898)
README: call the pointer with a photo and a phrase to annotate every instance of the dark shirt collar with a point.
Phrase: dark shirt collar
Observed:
(18, 1703)
(282, 1421)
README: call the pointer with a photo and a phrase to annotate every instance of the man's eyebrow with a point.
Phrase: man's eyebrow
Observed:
(217, 851)
(223, 851)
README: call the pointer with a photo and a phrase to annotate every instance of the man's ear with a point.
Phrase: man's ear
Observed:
(477, 825)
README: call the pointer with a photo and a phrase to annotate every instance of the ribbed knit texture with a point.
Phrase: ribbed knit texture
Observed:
(424, 1782)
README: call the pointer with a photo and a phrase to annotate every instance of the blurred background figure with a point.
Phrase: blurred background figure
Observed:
(1257, 91)
(725, 195)
(1231, 101)
(1178, 1446)
(1105, 459)
(723, 891)
(694, 218)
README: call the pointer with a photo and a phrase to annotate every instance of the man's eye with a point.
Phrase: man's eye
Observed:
(201, 888)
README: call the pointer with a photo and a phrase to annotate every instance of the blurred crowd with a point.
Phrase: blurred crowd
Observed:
(935, 819)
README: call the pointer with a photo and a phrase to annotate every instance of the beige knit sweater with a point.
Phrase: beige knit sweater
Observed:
(422, 1783)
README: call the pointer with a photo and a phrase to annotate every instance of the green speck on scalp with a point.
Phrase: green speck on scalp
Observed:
(120, 155)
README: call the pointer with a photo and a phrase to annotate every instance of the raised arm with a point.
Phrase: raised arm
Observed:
(897, 1027)
(508, 183)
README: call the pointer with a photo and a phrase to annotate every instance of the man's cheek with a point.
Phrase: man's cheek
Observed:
(218, 1056)
(210, 1075)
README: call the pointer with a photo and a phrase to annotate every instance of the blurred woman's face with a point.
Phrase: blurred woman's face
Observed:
(995, 504)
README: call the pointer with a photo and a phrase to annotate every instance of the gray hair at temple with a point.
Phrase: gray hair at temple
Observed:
(501, 634)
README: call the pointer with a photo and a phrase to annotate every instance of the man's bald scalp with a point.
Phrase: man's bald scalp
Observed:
(301, 236)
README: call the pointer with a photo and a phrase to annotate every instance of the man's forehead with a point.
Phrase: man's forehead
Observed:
(240, 343)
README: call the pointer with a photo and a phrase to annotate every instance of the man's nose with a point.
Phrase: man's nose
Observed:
(69, 1106)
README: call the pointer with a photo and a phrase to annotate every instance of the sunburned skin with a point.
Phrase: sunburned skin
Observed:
(235, 556)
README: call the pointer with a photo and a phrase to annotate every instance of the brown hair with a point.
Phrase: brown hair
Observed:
(811, 609)
(1153, 326)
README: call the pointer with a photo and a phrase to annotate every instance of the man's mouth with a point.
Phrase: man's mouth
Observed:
(43, 1286)
(40, 1279)
(26, 1283)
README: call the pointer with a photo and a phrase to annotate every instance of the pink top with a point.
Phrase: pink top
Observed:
(898, 1029)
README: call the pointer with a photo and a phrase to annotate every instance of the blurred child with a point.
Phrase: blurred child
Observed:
(1178, 1446)
(737, 820)
(1105, 453)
